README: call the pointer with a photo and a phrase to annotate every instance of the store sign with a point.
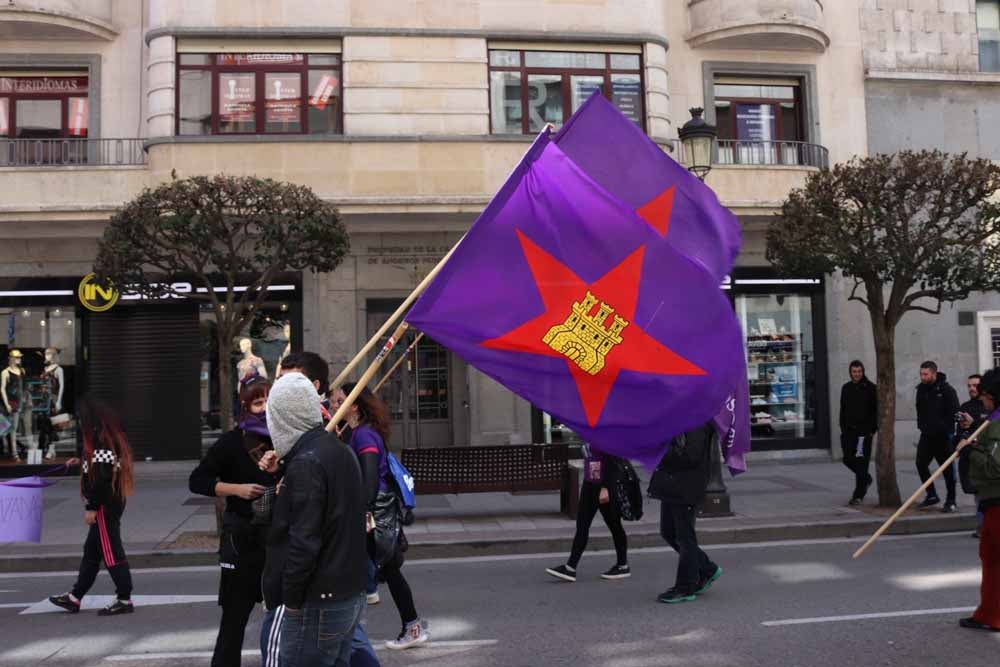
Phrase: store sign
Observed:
(259, 59)
(42, 85)
(96, 297)
(238, 94)
(284, 94)
(323, 91)
(755, 122)
(626, 94)
(78, 107)
(4, 116)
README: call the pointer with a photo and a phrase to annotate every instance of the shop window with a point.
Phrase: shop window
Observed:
(760, 121)
(531, 88)
(781, 364)
(43, 107)
(258, 93)
(988, 24)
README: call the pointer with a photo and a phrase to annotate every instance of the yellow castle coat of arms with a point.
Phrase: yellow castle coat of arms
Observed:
(583, 338)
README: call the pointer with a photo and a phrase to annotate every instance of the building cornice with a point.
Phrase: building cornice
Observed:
(980, 78)
(293, 32)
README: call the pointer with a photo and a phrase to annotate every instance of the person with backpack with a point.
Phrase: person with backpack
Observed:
(368, 418)
(230, 470)
(600, 473)
(983, 458)
(679, 483)
(106, 480)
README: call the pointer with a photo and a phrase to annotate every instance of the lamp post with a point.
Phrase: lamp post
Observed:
(698, 143)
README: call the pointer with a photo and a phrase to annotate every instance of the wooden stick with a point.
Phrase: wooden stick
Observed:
(916, 494)
(398, 363)
(366, 378)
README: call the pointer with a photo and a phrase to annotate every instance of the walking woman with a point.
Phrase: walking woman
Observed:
(105, 482)
(369, 422)
(600, 471)
(983, 457)
(229, 470)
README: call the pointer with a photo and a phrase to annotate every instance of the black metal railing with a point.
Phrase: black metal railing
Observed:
(71, 152)
(785, 153)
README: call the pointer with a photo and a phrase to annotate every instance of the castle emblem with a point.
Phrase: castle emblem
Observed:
(583, 338)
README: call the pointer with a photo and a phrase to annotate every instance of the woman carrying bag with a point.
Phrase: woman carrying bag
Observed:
(229, 470)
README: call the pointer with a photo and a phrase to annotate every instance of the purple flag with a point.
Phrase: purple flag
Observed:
(564, 295)
(616, 153)
(673, 201)
(21, 509)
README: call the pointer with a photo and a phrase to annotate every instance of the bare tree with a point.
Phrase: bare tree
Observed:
(220, 231)
(913, 230)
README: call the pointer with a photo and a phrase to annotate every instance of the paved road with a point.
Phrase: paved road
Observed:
(777, 605)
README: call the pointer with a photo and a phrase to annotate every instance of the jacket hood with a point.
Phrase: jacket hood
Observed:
(292, 410)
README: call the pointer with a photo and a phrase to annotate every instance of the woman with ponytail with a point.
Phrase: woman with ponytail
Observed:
(105, 482)
(229, 470)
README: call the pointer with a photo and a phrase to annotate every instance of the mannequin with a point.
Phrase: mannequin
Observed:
(12, 392)
(287, 332)
(249, 364)
(55, 376)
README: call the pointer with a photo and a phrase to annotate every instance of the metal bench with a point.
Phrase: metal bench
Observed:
(503, 468)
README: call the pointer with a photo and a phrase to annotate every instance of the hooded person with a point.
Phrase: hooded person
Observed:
(316, 572)
(230, 470)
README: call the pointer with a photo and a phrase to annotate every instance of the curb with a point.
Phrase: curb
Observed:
(459, 548)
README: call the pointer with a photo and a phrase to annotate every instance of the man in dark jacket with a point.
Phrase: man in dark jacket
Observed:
(937, 407)
(316, 551)
(858, 423)
(679, 483)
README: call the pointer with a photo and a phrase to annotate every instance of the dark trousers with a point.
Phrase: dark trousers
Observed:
(104, 544)
(402, 596)
(677, 528)
(590, 504)
(239, 592)
(989, 554)
(935, 448)
(857, 464)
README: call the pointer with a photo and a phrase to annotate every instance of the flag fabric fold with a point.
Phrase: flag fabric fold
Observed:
(565, 295)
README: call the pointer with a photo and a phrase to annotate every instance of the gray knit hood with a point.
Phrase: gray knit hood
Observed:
(293, 408)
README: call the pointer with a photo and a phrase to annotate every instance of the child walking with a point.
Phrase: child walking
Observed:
(105, 482)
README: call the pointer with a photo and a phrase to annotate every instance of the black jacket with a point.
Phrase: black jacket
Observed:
(859, 407)
(316, 549)
(937, 404)
(97, 482)
(682, 475)
(232, 459)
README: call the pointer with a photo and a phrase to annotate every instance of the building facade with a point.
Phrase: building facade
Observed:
(408, 115)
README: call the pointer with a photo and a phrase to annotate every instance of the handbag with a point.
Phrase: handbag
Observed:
(263, 507)
(627, 492)
(388, 516)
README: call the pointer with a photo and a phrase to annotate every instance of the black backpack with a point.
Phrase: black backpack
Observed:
(626, 492)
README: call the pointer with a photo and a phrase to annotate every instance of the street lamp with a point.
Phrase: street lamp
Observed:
(698, 142)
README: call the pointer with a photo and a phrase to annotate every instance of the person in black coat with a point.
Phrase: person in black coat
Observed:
(679, 483)
(937, 408)
(858, 423)
(230, 470)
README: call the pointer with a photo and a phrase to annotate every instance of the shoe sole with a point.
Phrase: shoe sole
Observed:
(708, 584)
(612, 577)
(686, 598)
(130, 610)
(416, 642)
(68, 610)
(560, 575)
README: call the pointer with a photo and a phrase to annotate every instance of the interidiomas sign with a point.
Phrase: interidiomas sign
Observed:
(39, 85)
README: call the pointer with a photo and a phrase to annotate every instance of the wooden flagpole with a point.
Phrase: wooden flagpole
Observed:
(916, 494)
(366, 378)
(398, 363)
(339, 380)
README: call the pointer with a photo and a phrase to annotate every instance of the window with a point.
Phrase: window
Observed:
(258, 93)
(988, 24)
(43, 107)
(760, 121)
(531, 88)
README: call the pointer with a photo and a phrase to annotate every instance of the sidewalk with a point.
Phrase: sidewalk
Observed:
(165, 525)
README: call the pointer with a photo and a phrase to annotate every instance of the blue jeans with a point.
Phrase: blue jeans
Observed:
(372, 584)
(320, 633)
(362, 653)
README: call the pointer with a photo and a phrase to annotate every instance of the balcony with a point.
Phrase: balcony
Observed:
(71, 152)
(57, 20)
(784, 25)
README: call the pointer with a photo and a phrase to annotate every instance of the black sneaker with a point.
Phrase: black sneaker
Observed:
(705, 584)
(949, 507)
(64, 601)
(854, 501)
(117, 607)
(973, 624)
(929, 501)
(617, 572)
(673, 596)
(563, 572)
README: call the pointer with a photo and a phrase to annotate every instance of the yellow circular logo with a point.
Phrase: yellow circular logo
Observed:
(95, 297)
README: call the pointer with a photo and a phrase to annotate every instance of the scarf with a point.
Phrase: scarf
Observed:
(256, 424)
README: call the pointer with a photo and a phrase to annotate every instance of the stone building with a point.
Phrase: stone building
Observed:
(408, 115)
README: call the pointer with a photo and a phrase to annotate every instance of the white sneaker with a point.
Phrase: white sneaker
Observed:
(411, 636)
(373, 598)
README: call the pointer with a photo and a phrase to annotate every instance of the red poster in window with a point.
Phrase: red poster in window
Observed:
(283, 96)
(78, 108)
(323, 91)
(4, 123)
(237, 95)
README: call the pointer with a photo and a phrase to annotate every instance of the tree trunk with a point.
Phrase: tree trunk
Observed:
(885, 456)
(225, 375)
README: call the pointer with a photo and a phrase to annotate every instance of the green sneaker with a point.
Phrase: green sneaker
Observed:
(673, 596)
(705, 584)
